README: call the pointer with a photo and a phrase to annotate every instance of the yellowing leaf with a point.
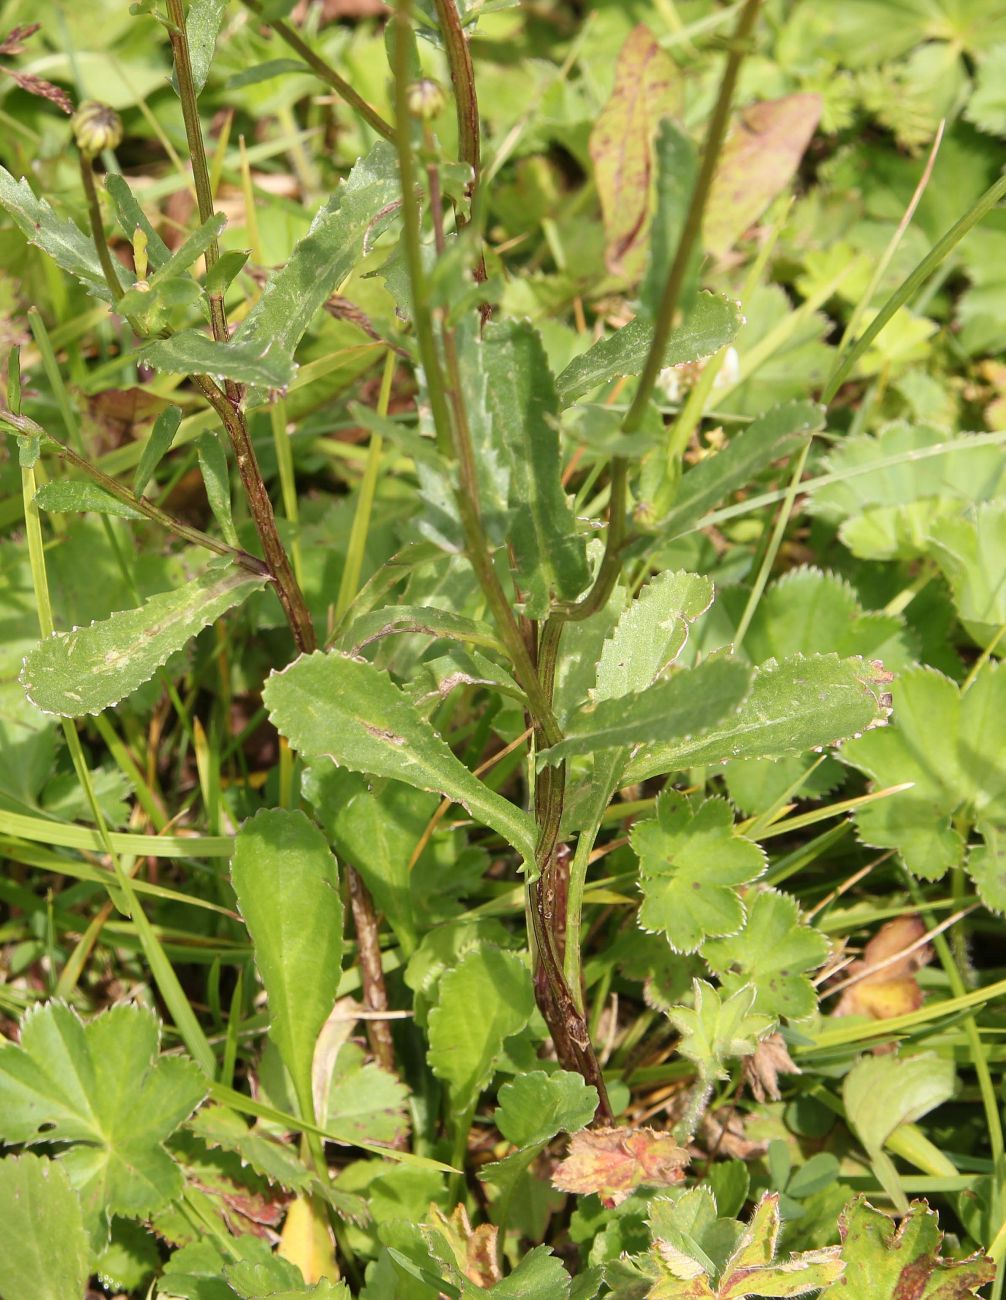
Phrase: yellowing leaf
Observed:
(758, 161)
(614, 1161)
(306, 1240)
(890, 988)
(647, 88)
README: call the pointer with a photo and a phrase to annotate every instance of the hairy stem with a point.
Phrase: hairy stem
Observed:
(325, 72)
(227, 403)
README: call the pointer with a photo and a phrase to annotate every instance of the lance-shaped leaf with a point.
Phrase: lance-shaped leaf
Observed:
(885, 1258)
(91, 668)
(334, 706)
(202, 24)
(484, 1000)
(677, 165)
(287, 885)
(44, 1252)
(248, 361)
(68, 495)
(800, 704)
(551, 557)
(323, 258)
(684, 705)
(758, 161)
(690, 862)
(428, 620)
(647, 87)
(778, 432)
(60, 238)
(103, 1090)
(131, 218)
(709, 326)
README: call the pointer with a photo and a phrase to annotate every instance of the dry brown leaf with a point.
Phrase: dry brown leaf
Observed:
(758, 161)
(722, 1134)
(892, 990)
(761, 1070)
(474, 1249)
(613, 1162)
(647, 88)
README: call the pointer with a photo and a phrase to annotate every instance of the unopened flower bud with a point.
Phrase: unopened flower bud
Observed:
(426, 99)
(96, 127)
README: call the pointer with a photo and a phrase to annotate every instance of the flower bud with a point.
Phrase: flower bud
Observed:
(425, 99)
(96, 127)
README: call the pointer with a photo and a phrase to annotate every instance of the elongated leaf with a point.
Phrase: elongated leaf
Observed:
(795, 706)
(91, 668)
(776, 433)
(709, 326)
(67, 495)
(647, 87)
(758, 161)
(677, 166)
(691, 701)
(60, 238)
(131, 217)
(246, 362)
(216, 479)
(428, 620)
(464, 1047)
(162, 435)
(202, 25)
(287, 886)
(551, 557)
(333, 706)
(44, 1253)
(323, 258)
(193, 247)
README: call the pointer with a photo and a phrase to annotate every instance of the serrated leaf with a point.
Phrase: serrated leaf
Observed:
(71, 496)
(521, 397)
(287, 886)
(758, 160)
(771, 954)
(793, 707)
(218, 1126)
(651, 633)
(715, 1031)
(244, 361)
(60, 238)
(939, 741)
(884, 1258)
(322, 259)
(881, 1093)
(428, 620)
(91, 668)
(464, 1047)
(647, 87)
(779, 432)
(536, 1106)
(333, 706)
(688, 703)
(161, 436)
(710, 325)
(690, 861)
(613, 1162)
(364, 1101)
(103, 1089)
(44, 1251)
(540, 1275)
(971, 551)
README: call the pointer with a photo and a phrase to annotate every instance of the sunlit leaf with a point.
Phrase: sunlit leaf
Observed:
(613, 1162)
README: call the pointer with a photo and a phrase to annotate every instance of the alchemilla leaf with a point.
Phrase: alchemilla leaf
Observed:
(716, 1030)
(102, 1092)
(91, 668)
(690, 863)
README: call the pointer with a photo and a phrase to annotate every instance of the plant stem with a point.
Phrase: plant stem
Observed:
(227, 403)
(98, 228)
(324, 71)
(375, 994)
(459, 60)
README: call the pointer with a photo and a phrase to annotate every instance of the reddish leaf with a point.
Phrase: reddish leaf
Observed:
(614, 1161)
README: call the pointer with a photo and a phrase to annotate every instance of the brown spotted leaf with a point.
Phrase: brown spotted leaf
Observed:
(473, 1249)
(758, 161)
(647, 88)
(613, 1162)
(902, 1260)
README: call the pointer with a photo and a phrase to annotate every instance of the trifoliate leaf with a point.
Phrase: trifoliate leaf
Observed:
(771, 954)
(885, 1258)
(613, 1162)
(103, 1089)
(714, 1031)
(690, 862)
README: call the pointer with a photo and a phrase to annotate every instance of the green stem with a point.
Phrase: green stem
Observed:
(325, 72)
(459, 60)
(98, 229)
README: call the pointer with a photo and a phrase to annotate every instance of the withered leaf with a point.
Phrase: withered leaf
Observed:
(613, 1162)
(892, 989)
